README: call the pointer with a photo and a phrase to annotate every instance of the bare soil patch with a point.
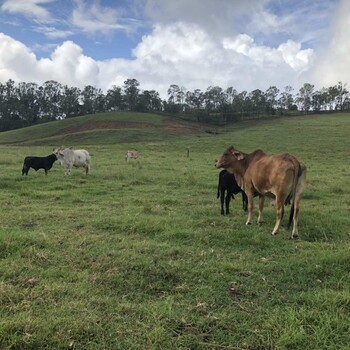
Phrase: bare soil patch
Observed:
(169, 125)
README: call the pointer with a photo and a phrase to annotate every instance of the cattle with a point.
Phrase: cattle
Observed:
(132, 155)
(280, 176)
(38, 163)
(227, 184)
(69, 157)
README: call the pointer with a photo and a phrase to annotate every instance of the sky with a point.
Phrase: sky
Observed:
(195, 44)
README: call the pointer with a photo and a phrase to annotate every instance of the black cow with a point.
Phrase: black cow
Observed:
(228, 184)
(38, 163)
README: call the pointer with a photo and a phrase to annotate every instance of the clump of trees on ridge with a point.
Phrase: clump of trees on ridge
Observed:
(23, 104)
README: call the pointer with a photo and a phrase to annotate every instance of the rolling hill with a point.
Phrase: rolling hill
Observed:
(106, 128)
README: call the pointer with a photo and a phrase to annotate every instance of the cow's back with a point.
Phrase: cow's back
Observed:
(267, 172)
(82, 156)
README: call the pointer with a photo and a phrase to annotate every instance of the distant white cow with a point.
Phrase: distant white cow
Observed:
(132, 155)
(73, 157)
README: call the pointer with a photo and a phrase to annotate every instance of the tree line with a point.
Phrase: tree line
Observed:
(24, 104)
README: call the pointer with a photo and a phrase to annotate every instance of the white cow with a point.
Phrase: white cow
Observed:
(73, 157)
(132, 155)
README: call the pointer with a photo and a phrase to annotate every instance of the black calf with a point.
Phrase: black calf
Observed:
(228, 184)
(38, 163)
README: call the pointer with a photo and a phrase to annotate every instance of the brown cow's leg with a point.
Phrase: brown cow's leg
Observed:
(250, 207)
(280, 212)
(261, 207)
(295, 218)
(300, 188)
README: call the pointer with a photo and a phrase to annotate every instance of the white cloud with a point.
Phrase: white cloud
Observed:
(95, 18)
(54, 33)
(188, 48)
(182, 54)
(293, 55)
(66, 65)
(15, 59)
(220, 17)
(31, 8)
(332, 61)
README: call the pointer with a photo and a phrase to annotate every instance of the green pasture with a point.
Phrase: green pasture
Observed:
(137, 256)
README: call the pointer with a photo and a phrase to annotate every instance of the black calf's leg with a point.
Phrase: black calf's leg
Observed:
(227, 201)
(25, 170)
(222, 199)
(244, 201)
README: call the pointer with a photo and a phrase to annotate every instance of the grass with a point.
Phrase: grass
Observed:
(137, 256)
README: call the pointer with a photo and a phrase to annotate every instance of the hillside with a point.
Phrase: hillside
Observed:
(103, 128)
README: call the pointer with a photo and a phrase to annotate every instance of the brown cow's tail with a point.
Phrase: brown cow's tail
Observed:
(297, 174)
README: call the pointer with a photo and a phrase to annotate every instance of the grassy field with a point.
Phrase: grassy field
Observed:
(137, 255)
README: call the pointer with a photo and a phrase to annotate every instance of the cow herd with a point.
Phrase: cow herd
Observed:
(281, 177)
(68, 157)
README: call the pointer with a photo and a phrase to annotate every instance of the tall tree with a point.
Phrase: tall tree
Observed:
(131, 93)
(214, 99)
(285, 102)
(50, 100)
(70, 101)
(304, 97)
(271, 99)
(194, 99)
(258, 102)
(28, 103)
(114, 99)
(173, 105)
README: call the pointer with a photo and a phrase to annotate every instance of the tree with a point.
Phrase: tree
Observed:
(131, 93)
(172, 93)
(50, 100)
(114, 99)
(257, 102)
(271, 99)
(28, 103)
(304, 97)
(149, 101)
(9, 117)
(286, 100)
(175, 95)
(214, 99)
(341, 96)
(194, 99)
(239, 103)
(70, 105)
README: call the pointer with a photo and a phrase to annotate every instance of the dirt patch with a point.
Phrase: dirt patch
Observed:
(179, 128)
(103, 124)
(168, 125)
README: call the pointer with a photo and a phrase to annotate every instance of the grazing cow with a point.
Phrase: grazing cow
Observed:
(70, 157)
(281, 176)
(228, 184)
(38, 163)
(132, 155)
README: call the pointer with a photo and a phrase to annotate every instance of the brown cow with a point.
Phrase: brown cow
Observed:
(281, 176)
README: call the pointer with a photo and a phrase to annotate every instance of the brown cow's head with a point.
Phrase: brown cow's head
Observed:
(226, 159)
(229, 158)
